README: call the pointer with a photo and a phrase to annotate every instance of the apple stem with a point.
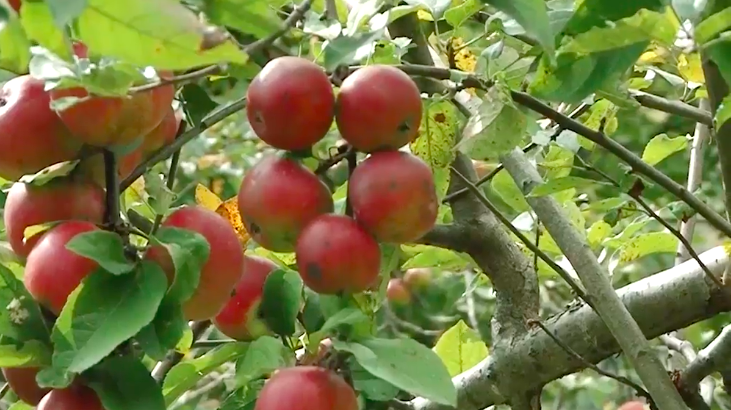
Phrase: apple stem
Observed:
(352, 163)
(112, 182)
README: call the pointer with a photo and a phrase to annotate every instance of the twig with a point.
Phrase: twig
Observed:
(209, 344)
(636, 196)
(639, 389)
(715, 219)
(290, 22)
(528, 243)
(678, 108)
(167, 151)
(712, 358)
(111, 178)
(352, 164)
(342, 154)
(162, 368)
(170, 182)
(696, 400)
(179, 79)
(596, 281)
(4, 390)
(695, 175)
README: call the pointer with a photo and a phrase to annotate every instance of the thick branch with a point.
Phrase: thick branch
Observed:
(597, 284)
(667, 301)
(709, 360)
(678, 108)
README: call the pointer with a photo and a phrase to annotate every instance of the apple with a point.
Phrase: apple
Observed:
(306, 388)
(22, 380)
(76, 397)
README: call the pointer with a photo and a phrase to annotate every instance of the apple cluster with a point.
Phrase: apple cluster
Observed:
(286, 207)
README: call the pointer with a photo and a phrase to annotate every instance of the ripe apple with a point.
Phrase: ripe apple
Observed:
(76, 397)
(164, 133)
(394, 197)
(23, 382)
(632, 405)
(306, 388)
(290, 103)
(240, 319)
(277, 198)
(220, 273)
(60, 199)
(397, 293)
(334, 254)
(417, 278)
(32, 136)
(113, 121)
(52, 272)
(15, 4)
(378, 108)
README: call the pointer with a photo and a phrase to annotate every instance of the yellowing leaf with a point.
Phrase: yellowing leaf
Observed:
(646, 244)
(229, 209)
(160, 33)
(661, 147)
(598, 231)
(435, 143)
(460, 348)
(689, 67)
(599, 114)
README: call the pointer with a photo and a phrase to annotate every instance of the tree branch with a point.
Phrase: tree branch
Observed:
(162, 368)
(597, 284)
(660, 303)
(678, 108)
(712, 358)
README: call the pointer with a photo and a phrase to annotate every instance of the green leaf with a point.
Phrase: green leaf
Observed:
(574, 77)
(165, 331)
(39, 25)
(371, 386)
(505, 187)
(646, 244)
(661, 147)
(407, 364)
(532, 15)
(723, 113)
(14, 46)
(104, 247)
(124, 383)
(435, 143)
(719, 51)
(346, 317)
(263, 356)
(197, 103)
(342, 50)
(255, 17)
(30, 353)
(497, 128)
(645, 25)
(168, 37)
(160, 196)
(555, 185)
(21, 319)
(712, 26)
(189, 251)
(597, 232)
(460, 348)
(185, 375)
(281, 301)
(20, 405)
(103, 312)
(591, 13)
(459, 14)
(426, 256)
(54, 378)
(243, 398)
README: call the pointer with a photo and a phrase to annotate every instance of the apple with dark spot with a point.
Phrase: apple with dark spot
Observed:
(378, 108)
(393, 196)
(278, 197)
(336, 255)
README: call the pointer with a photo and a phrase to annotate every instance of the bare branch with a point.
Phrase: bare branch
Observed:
(712, 358)
(674, 107)
(666, 301)
(597, 284)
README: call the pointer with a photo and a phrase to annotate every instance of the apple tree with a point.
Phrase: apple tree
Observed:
(365, 204)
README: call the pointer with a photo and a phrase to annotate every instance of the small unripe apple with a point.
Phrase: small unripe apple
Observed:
(240, 319)
(306, 388)
(22, 380)
(417, 278)
(397, 293)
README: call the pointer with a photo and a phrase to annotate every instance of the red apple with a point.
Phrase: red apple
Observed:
(239, 319)
(220, 273)
(22, 380)
(306, 388)
(77, 397)
(57, 200)
(32, 136)
(53, 272)
(397, 293)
